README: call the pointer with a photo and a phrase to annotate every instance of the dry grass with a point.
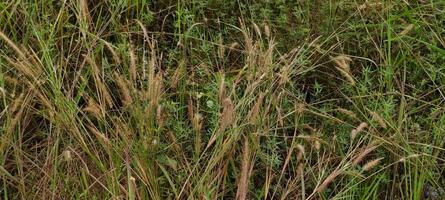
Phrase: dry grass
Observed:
(221, 100)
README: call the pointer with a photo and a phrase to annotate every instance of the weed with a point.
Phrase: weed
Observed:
(222, 99)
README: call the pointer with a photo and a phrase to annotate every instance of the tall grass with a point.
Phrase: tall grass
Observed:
(222, 99)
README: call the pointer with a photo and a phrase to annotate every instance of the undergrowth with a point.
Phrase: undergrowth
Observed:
(214, 99)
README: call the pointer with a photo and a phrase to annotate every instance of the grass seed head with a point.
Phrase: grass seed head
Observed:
(317, 145)
(159, 116)
(342, 65)
(227, 114)
(93, 108)
(371, 164)
(85, 12)
(359, 129)
(375, 116)
(221, 49)
(359, 158)
(234, 45)
(300, 108)
(102, 137)
(197, 122)
(362, 126)
(8, 41)
(2, 92)
(243, 182)
(253, 115)
(222, 88)
(267, 30)
(105, 95)
(300, 153)
(16, 103)
(133, 63)
(406, 30)
(113, 53)
(257, 29)
(123, 88)
(67, 155)
(328, 180)
(347, 112)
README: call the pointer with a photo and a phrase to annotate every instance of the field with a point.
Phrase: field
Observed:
(222, 99)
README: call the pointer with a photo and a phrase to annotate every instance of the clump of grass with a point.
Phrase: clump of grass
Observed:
(221, 99)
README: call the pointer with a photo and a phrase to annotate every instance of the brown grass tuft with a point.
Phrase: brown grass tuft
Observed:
(197, 127)
(177, 75)
(280, 117)
(2, 92)
(156, 89)
(300, 153)
(100, 85)
(406, 30)
(132, 188)
(221, 49)
(267, 30)
(359, 158)
(10, 80)
(222, 88)
(123, 88)
(284, 74)
(362, 126)
(342, 65)
(16, 103)
(408, 157)
(357, 130)
(317, 144)
(24, 68)
(328, 180)
(243, 181)
(84, 11)
(248, 44)
(160, 119)
(257, 29)
(122, 130)
(375, 116)
(371, 164)
(67, 155)
(100, 136)
(133, 63)
(227, 114)
(226, 119)
(370, 6)
(113, 53)
(253, 114)
(347, 112)
(234, 46)
(197, 122)
(11, 44)
(94, 108)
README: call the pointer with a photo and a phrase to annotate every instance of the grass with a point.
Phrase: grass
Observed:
(216, 99)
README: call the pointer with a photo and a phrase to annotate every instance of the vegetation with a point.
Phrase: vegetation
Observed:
(197, 99)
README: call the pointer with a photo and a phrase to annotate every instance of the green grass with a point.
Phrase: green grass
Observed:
(198, 99)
